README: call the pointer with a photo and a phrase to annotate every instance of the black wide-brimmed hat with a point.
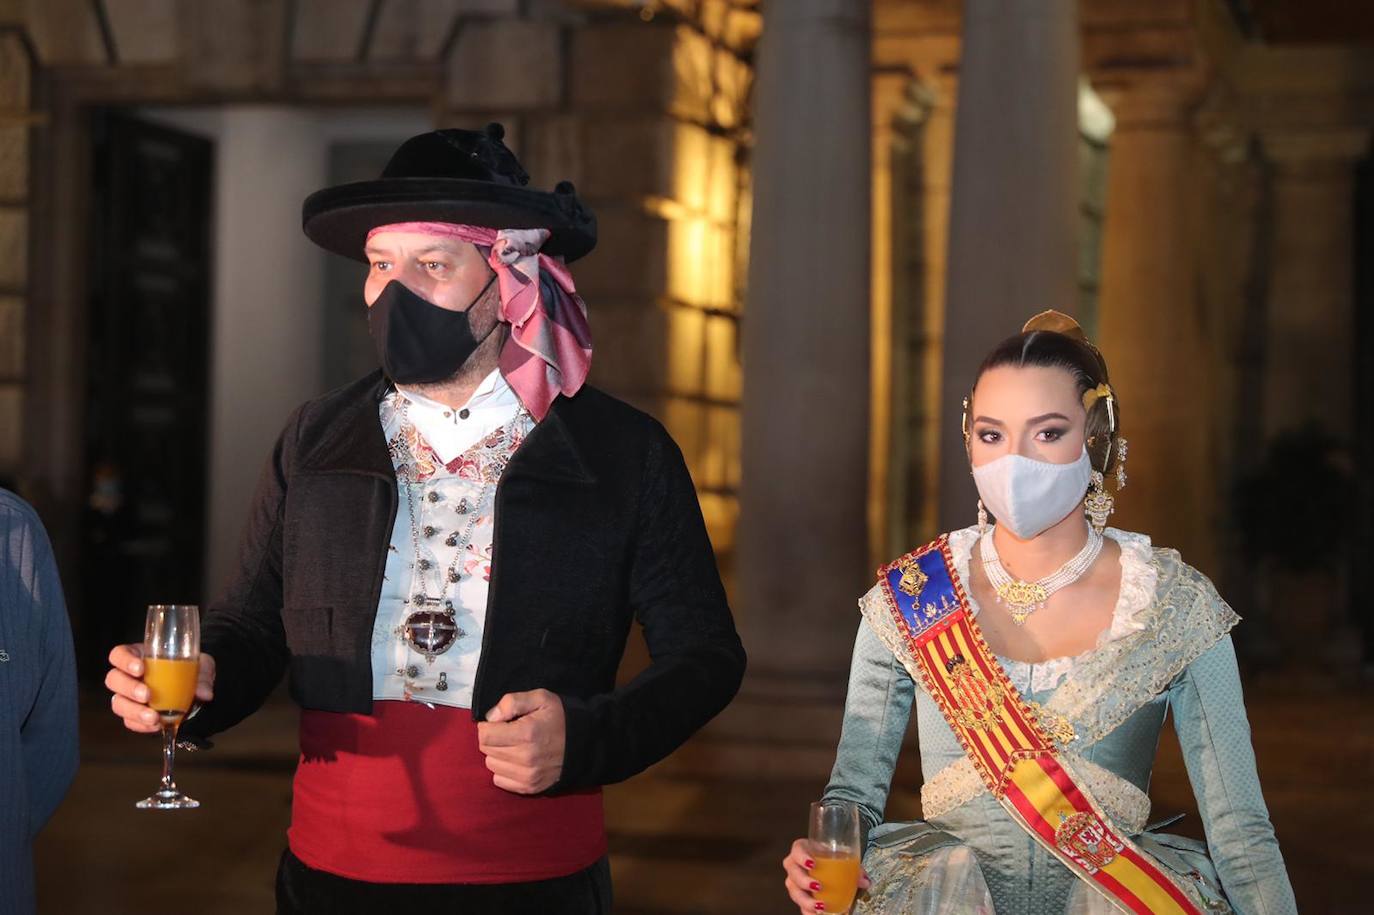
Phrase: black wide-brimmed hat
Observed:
(461, 176)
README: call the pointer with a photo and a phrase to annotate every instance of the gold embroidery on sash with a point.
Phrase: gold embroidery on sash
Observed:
(913, 579)
(1085, 839)
(979, 699)
(1056, 727)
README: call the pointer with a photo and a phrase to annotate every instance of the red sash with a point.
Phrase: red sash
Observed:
(404, 796)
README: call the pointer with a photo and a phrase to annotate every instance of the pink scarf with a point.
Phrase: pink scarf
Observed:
(550, 347)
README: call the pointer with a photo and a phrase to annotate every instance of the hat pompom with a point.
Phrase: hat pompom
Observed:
(496, 131)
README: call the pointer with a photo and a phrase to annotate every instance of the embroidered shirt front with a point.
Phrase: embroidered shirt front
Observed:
(450, 432)
(453, 504)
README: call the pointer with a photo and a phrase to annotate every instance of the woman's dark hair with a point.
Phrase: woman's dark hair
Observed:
(1050, 349)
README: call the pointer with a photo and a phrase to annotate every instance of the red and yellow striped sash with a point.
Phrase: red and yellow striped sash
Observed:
(1006, 741)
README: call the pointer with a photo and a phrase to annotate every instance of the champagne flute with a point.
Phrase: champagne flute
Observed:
(834, 842)
(171, 664)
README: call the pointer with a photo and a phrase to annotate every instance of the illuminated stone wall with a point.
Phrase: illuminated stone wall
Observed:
(644, 106)
(651, 126)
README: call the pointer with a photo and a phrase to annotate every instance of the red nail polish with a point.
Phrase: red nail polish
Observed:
(820, 907)
(810, 864)
(815, 886)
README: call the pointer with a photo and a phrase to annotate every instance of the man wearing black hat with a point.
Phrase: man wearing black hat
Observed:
(447, 556)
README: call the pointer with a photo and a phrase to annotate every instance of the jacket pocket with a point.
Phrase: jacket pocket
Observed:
(323, 673)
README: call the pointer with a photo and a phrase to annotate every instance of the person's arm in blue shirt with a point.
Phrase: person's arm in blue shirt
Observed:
(33, 593)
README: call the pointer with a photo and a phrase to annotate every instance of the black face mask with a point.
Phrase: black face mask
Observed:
(419, 342)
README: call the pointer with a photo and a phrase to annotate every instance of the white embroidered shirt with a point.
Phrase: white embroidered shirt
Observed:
(457, 458)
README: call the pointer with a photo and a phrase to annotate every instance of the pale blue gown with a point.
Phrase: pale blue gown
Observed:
(1167, 648)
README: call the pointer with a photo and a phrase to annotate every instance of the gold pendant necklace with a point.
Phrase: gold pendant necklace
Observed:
(1022, 598)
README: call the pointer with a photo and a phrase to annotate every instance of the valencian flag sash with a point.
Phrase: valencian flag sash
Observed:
(1010, 744)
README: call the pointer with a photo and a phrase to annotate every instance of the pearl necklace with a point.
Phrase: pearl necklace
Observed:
(1022, 598)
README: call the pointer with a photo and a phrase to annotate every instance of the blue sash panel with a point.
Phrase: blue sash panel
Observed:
(927, 573)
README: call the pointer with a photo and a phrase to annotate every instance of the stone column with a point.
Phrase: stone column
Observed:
(1013, 218)
(802, 548)
(905, 350)
(1152, 330)
(1310, 335)
(14, 243)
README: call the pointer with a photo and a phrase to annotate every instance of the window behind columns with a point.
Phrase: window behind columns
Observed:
(1095, 124)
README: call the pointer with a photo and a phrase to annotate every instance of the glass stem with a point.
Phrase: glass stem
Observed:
(169, 749)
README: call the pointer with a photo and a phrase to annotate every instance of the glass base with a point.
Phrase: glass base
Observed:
(168, 799)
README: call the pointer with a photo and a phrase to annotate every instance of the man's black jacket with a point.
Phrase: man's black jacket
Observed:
(596, 523)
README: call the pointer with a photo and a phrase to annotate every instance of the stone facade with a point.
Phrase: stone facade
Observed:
(643, 107)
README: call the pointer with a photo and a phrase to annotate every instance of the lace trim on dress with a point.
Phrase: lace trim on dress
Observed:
(1127, 805)
(873, 606)
(958, 783)
(1108, 685)
(955, 784)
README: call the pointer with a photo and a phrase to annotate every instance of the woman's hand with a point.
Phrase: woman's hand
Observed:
(801, 885)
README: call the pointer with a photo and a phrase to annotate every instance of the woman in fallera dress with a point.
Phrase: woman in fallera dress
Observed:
(1041, 654)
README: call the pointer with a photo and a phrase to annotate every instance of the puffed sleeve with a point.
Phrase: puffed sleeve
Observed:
(876, 709)
(1209, 716)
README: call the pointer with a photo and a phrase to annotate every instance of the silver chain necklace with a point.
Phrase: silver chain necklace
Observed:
(431, 626)
(1022, 598)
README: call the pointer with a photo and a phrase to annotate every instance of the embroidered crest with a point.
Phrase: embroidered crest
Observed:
(1056, 727)
(979, 699)
(1087, 840)
(913, 580)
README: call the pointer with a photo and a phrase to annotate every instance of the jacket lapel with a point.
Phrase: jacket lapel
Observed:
(551, 451)
(355, 442)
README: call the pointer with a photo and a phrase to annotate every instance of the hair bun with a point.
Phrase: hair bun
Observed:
(1056, 322)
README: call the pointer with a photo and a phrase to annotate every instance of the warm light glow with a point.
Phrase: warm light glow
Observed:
(700, 205)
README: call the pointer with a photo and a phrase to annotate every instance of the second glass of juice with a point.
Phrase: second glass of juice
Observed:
(834, 845)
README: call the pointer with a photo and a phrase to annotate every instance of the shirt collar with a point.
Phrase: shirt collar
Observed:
(492, 390)
(451, 431)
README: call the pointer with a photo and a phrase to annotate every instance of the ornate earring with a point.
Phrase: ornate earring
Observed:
(1099, 503)
(1120, 464)
(982, 518)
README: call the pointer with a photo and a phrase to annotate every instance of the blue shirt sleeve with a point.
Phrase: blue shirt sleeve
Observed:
(34, 603)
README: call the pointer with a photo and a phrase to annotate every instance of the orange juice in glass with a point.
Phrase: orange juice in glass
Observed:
(834, 844)
(838, 876)
(171, 685)
(171, 661)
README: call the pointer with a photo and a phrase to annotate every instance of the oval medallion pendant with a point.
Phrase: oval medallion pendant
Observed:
(432, 632)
